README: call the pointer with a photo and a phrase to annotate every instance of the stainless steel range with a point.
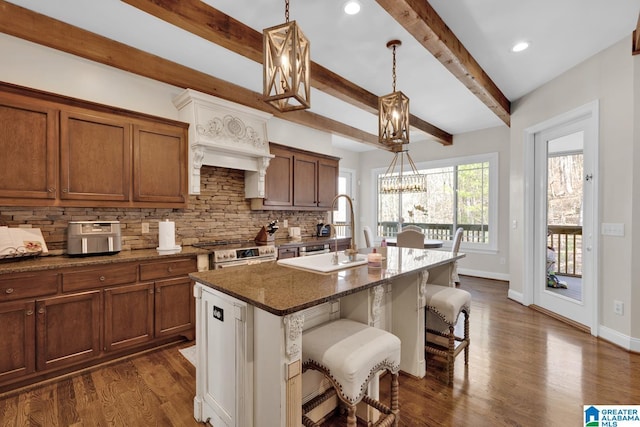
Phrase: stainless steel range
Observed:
(232, 254)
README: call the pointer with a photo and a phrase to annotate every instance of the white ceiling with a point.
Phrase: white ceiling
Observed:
(562, 33)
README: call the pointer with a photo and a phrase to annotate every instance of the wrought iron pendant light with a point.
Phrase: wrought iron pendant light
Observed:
(286, 66)
(393, 111)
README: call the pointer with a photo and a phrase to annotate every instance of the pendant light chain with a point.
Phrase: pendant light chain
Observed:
(286, 11)
(394, 67)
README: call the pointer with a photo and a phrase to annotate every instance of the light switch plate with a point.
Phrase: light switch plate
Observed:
(612, 229)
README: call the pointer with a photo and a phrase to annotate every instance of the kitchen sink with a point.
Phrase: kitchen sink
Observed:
(323, 263)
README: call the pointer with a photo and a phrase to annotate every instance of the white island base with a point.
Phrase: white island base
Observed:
(249, 371)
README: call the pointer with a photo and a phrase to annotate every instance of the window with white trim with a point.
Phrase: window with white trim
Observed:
(461, 192)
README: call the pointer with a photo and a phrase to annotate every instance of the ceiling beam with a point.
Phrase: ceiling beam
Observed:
(28, 25)
(426, 26)
(211, 24)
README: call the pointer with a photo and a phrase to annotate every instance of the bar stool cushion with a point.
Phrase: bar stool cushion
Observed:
(352, 352)
(447, 301)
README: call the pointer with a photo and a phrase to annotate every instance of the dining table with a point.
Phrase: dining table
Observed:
(428, 243)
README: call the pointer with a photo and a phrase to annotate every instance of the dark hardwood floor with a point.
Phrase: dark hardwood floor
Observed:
(525, 369)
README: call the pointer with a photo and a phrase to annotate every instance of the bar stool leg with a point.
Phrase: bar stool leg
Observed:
(351, 416)
(466, 337)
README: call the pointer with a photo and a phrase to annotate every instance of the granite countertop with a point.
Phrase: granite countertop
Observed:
(283, 290)
(49, 262)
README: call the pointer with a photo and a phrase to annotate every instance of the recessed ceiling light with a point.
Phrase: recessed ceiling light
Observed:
(351, 7)
(520, 46)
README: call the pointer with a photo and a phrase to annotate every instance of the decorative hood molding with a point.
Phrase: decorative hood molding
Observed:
(225, 134)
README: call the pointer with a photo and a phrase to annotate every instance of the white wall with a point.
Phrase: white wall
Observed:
(467, 144)
(609, 78)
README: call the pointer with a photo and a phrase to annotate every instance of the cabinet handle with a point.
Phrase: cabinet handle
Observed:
(41, 310)
(9, 291)
(170, 269)
(64, 190)
(51, 190)
(29, 312)
(158, 290)
(102, 278)
(151, 291)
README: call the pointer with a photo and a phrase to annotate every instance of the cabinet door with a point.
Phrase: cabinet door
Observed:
(29, 147)
(327, 181)
(128, 316)
(279, 178)
(305, 178)
(68, 329)
(17, 339)
(174, 307)
(94, 157)
(159, 164)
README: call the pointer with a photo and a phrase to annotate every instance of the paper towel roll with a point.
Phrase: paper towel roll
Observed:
(166, 234)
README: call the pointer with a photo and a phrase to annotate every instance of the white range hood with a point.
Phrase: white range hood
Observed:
(225, 134)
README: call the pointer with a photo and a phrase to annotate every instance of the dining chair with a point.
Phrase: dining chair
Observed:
(413, 227)
(455, 247)
(410, 239)
(368, 236)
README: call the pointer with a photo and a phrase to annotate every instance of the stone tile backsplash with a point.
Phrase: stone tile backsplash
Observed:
(220, 212)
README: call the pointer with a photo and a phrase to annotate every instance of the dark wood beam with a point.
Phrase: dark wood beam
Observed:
(636, 38)
(211, 24)
(37, 28)
(426, 26)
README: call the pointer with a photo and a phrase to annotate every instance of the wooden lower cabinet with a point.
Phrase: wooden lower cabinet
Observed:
(128, 316)
(18, 339)
(175, 307)
(53, 321)
(68, 329)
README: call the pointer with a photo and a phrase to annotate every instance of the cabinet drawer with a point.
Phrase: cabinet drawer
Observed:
(28, 286)
(115, 274)
(287, 253)
(169, 268)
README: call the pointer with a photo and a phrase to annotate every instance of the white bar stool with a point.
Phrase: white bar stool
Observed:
(349, 354)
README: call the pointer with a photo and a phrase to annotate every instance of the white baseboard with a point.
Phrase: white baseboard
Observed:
(619, 339)
(483, 274)
(516, 296)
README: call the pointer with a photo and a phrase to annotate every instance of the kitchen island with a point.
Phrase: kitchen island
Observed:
(249, 324)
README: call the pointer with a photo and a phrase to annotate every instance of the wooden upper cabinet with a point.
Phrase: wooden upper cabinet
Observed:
(279, 181)
(328, 173)
(60, 151)
(94, 157)
(299, 180)
(28, 147)
(159, 156)
(305, 180)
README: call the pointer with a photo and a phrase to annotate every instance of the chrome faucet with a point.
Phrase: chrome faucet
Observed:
(352, 251)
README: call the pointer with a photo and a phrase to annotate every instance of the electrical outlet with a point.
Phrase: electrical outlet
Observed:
(285, 223)
(145, 227)
(618, 307)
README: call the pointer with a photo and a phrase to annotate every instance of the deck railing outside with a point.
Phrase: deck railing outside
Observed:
(472, 232)
(566, 241)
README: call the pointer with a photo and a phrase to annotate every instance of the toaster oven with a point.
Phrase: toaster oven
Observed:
(93, 238)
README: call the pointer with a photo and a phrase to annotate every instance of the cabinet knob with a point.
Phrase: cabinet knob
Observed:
(102, 278)
(8, 291)
(41, 310)
(170, 269)
(29, 312)
(158, 290)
